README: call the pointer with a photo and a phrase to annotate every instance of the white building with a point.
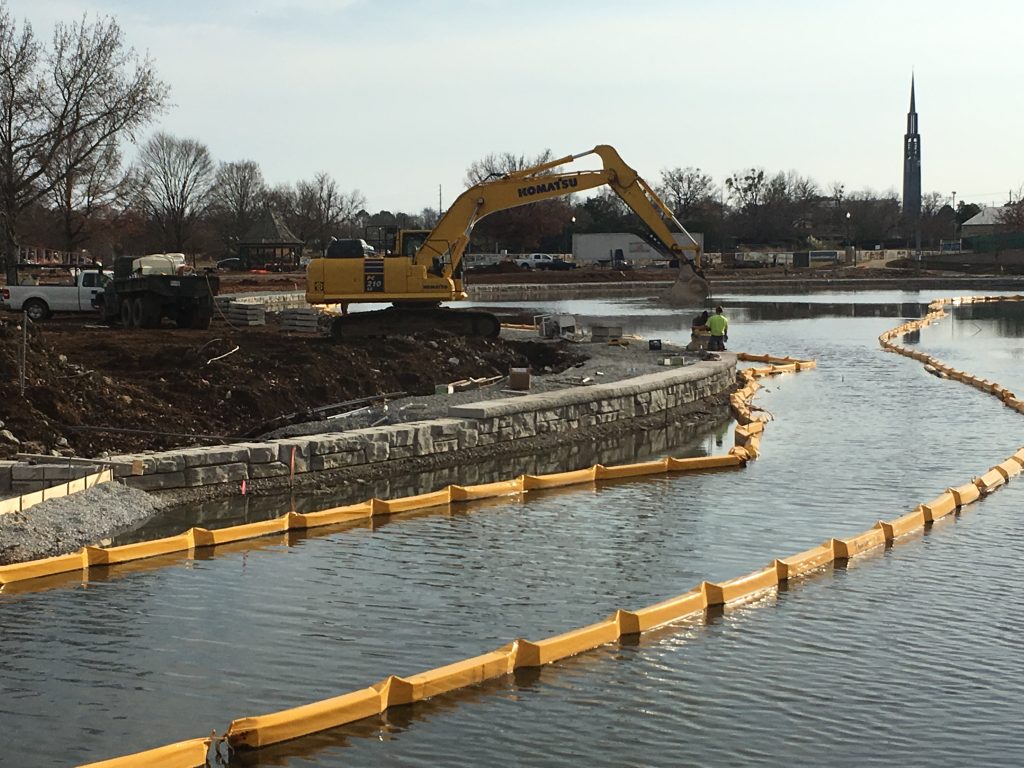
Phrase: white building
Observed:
(603, 248)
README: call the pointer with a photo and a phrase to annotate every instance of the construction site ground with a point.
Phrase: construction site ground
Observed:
(91, 389)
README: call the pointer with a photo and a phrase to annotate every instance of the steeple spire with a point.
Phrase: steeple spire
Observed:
(912, 162)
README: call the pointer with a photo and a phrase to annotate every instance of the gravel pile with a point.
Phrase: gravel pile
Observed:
(59, 526)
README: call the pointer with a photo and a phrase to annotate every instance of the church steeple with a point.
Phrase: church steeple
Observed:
(912, 162)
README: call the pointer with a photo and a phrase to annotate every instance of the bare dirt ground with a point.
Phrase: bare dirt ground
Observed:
(92, 389)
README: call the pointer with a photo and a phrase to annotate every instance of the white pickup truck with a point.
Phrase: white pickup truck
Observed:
(48, 292)
(543, 261)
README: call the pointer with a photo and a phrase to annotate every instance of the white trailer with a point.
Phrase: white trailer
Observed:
(605, 249)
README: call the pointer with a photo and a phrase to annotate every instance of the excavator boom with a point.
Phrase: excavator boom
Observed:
(433, 274)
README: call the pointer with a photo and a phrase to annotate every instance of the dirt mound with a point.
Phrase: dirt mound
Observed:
(157, 389)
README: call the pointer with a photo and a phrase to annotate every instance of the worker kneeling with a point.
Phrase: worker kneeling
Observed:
(699, 332)
(718, 325)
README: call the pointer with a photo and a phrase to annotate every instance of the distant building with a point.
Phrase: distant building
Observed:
(606, 248)
(984, 223)
(270, 244)
(912, 163)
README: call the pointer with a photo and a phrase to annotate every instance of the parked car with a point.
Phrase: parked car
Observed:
(234, 264)
(544, 261)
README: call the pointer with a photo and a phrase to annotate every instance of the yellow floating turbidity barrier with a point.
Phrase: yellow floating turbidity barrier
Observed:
(276, 727)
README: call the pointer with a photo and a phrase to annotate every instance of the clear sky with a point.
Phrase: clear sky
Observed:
(396, 97)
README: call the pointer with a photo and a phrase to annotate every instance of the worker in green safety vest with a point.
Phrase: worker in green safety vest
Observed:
(718, 324)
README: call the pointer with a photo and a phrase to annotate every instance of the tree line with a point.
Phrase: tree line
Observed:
(69, 106)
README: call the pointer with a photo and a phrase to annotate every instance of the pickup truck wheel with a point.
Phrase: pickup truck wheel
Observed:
(201, 321)
(126, 313)
(36, 309)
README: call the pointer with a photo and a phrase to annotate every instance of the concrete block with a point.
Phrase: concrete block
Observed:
(218, 454)
(193, 457)
(162, 463)
(524, 425)
(64, 472)
(377, 450)
(267, 469)
(335, 442)
(401, 436)
(468, 438)
(301, 449)
(261, 453)
(21, 487)
(5, 476)
(157, 482)
(216, 474)
(22, 472)
(336, 460)
(445, 427)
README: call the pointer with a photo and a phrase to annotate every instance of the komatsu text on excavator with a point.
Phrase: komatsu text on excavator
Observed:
(424, 268)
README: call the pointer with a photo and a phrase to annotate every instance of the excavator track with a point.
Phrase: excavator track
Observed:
(402, 321)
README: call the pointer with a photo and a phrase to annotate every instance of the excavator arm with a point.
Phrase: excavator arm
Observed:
(417, 282)
(448, 241)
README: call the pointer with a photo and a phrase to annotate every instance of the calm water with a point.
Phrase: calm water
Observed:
(908, 655)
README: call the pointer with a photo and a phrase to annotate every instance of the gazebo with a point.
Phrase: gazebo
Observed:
(269, 244)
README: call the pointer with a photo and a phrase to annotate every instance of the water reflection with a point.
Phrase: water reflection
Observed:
(141, 657)
(676, 439)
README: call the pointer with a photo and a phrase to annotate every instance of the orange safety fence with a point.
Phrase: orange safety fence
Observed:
(746, 447)
(264, 730)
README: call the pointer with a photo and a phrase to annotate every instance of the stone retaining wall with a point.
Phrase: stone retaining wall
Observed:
(280, 463)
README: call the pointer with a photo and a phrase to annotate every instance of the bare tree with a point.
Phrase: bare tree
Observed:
(81, 192)
(1011, 215)
(237, 196)
(747, 188)
(521, 228)
(174, 178)
(429, 217)
(323, 210)
(686, 190)
(71, 100)
(496, 165)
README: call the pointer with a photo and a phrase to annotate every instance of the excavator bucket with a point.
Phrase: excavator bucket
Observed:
(688, 290)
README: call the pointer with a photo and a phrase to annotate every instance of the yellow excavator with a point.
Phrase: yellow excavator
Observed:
(424, 268)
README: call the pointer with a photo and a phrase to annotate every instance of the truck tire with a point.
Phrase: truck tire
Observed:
(126, 313)
(150, 312)
(201, 321)
(186, 317)
(36, 309)
(137, 313)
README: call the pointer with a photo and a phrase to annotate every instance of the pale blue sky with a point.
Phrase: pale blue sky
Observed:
(395, 97)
